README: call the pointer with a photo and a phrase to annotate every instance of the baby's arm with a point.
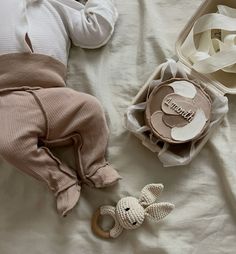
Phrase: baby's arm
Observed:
(92, 25)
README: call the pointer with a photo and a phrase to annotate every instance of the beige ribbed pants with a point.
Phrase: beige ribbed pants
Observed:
(56, 117)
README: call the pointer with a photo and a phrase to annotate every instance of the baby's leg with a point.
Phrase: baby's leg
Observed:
(22, 124)
(79, 117)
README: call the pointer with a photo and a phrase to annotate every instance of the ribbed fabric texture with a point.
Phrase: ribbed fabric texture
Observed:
(50, 24)
(79, 118)
(22, 124)
(55, 116)
(30, 70)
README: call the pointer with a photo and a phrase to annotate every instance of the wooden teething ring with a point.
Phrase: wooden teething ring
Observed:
(96, 227)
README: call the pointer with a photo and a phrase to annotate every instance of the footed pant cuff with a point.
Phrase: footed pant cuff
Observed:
(105, 176)
(67, 199)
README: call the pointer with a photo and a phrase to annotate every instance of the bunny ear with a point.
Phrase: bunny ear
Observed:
(158, 211)
(150, 193)
(117, 228)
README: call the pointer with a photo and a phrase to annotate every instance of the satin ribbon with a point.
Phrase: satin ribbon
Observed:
(216, 37)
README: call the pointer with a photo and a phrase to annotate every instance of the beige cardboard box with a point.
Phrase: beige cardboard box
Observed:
(217, 85)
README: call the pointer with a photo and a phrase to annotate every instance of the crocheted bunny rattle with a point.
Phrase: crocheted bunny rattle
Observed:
(131, 212)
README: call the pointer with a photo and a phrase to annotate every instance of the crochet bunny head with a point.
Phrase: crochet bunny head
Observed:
(130, 212)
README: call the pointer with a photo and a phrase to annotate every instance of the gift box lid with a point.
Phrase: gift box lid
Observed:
(223, 81)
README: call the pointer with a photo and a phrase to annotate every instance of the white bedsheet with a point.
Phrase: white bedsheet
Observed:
(204, 192)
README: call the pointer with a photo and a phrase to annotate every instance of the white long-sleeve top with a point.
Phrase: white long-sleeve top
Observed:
(51, 25)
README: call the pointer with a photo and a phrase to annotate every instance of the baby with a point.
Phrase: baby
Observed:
(37, 111)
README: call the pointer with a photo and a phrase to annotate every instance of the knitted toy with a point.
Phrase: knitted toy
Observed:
(131, 212)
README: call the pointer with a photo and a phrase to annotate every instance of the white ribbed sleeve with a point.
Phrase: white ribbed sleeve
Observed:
(50, 24)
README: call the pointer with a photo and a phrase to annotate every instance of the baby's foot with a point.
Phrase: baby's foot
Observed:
(105, 176)
(67, 199)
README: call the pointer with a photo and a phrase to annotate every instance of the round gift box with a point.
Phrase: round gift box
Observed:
(178, 111)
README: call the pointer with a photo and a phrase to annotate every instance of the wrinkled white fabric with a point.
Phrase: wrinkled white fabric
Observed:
(50, 24)
(204, 192)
